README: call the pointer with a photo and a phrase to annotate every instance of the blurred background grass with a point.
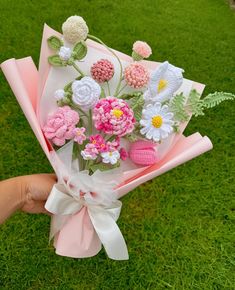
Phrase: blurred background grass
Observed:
(180, 227)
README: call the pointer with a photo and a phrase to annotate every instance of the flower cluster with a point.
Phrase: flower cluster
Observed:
(105, 116)
(107, 150)
(113, 117)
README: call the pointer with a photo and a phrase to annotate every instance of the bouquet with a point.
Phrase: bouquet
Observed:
(107, 122)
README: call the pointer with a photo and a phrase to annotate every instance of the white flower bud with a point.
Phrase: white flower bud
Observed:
(65, 53)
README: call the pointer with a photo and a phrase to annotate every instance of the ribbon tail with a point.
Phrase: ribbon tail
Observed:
(108, 231)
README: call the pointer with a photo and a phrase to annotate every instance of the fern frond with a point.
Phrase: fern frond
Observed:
(216, 98)
(177, 107)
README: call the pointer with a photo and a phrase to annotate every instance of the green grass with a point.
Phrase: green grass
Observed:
(180, 227)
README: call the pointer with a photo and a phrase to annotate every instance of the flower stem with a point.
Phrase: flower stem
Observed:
(109, 93)
(90, 123)
(121, 89)
(78, 69)
(113, 53)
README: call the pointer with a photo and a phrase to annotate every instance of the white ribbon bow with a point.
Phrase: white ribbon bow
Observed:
(96, 193)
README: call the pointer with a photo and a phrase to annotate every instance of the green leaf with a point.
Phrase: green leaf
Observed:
(216, 98)
(137, 104)
(56, 61)
(177, 107)
(68, 87)
(79, 50)
(195, 104)
(131, 96)
(54, 42)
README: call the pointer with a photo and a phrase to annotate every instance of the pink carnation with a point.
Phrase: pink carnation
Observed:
(102, 71)
(60, 125)
(142, 48)
(113, 116)
(136, 75)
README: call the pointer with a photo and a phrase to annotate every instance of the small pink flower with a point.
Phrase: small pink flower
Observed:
(79, 135)
(60, 125)
(113, 116)
(123, 154)
(136, 75)
(113, 145)
(142, 49)
(99, 142)
(90, 152)
(102, 71)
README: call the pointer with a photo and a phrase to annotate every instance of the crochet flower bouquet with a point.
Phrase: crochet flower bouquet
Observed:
(107, 122)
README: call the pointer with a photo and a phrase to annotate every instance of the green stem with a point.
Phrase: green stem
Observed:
(80, 159)
(121, 89)
(78, 69)
(113, 53)
(90, 122)
(108, 88)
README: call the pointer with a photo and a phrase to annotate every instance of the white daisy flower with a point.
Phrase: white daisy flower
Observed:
(164, 81)
(110, 157)
(157, 122)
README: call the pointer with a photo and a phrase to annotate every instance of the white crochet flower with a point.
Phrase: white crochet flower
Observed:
(157, 122)
(65, 53)
(86, 93)
(75, 29)
(164, 82)
(110, 157)
(59, 94)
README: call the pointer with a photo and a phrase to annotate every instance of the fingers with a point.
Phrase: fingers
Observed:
(36, 207)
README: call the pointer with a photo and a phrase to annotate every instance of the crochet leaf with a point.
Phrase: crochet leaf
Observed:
(56, 61)
(137, 104)
(176, 106)
(216, 98)
(79, 50)
(195, 104)
(54, 42)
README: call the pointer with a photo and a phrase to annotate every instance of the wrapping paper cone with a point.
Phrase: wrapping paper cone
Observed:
(77, 238)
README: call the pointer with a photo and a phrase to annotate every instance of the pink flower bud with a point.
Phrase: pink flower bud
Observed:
(143, 153)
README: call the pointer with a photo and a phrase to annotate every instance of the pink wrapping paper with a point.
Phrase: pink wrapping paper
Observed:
(77, 237)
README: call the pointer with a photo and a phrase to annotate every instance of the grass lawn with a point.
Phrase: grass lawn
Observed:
(180, 227)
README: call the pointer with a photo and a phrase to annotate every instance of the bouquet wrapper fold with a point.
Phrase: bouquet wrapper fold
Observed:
(75, 234)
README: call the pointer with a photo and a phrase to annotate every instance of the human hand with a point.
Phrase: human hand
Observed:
(35, 190)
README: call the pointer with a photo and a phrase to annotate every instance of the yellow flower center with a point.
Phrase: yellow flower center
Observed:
(110, 154)
(161, 85)
(78, 133)
(117, 113)
(157, 121)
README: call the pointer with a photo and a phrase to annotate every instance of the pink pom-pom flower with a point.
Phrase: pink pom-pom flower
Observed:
(102, 71)
(60, 125)
(136, 75)
(142, 49)
(143, 153)
(113, 116)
